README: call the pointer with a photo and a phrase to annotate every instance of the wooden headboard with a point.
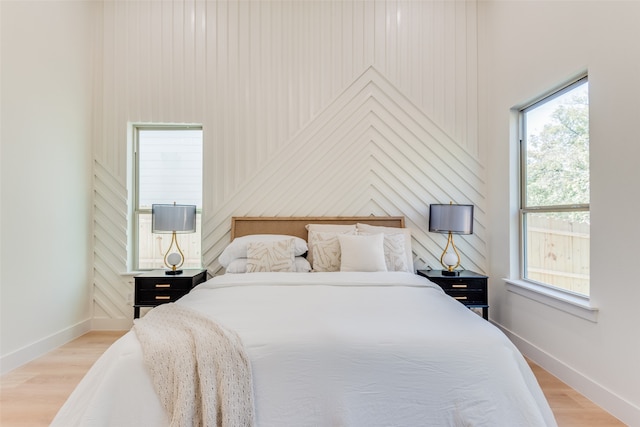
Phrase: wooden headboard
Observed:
(295, 226)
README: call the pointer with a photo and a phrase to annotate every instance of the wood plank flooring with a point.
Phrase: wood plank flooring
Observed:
(32, 394)
(570, 408)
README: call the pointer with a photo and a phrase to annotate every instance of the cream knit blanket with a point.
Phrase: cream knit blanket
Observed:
(199, 369)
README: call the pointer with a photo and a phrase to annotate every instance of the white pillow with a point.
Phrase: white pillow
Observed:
(406, 232)
(326, 228)
(394, 254)
(362, 253)
(300, 265)
(276, 255)
(238, 247)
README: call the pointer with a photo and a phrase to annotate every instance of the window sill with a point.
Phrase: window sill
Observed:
(573, 304)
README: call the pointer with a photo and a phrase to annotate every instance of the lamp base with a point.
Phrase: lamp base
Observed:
(173, 272)
(450, 273)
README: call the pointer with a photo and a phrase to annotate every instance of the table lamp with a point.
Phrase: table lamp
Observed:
(450, 219)
(173, 219)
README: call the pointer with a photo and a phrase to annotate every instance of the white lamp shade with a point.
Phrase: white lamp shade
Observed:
(173, 218)
(456, 219)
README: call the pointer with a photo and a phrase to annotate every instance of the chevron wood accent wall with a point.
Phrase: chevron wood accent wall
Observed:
(370, 152)
(111, 294)
(308, 108)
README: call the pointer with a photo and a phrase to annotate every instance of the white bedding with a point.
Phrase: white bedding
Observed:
(337, 349)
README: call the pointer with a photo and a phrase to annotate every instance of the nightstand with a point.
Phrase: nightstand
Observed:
(469, 288)
(155, 287)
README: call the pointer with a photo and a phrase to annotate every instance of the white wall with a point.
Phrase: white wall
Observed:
(46, 176)
(525, 49)
(308, 108)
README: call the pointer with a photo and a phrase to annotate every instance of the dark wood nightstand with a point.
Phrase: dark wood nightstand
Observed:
(156, 287)
(469, 288)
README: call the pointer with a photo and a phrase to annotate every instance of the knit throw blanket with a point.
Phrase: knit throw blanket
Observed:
(199, 369)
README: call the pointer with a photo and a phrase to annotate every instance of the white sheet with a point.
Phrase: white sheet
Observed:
(338, 349)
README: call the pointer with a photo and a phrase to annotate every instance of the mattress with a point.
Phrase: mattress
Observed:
(337, 349)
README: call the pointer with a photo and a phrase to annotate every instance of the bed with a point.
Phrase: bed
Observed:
(334, 348)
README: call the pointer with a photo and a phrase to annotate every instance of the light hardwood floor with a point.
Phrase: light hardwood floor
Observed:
(32, 394)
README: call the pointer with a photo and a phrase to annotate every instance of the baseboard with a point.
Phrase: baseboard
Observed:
(30, 352)
(617, 406)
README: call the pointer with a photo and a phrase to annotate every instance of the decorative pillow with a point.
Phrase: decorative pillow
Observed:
(362, 253)
(406, 232)
(394, 255)
(300, 265)
(325, 248)
(276, 255)
(326, 228)
(238, 247)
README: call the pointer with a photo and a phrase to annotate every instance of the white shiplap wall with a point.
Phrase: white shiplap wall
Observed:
(308, 108)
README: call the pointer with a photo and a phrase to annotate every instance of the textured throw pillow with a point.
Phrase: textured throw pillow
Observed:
(328, 229)
(325, 248)
(276, 255)
(405, 232)
(238, 247)
(300, 265)
(362, 253)
(394, 252)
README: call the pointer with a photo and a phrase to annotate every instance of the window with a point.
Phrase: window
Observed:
(554, 205)
(168, 169)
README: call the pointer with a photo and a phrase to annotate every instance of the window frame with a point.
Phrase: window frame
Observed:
(136, 212)
(566, 300)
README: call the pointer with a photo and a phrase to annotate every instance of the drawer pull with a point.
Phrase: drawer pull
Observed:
(460, 298)
(463, 286)
(163, 285)
(162, 297)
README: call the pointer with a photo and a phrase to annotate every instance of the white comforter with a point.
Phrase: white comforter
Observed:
(337, 349)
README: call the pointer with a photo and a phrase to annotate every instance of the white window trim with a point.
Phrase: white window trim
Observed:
(577, 305)
(581, 306)
(568, 302)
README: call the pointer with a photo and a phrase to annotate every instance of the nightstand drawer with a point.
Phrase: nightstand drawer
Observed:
(461, 284)
(158, 297)
(162, 284)
(468, 298)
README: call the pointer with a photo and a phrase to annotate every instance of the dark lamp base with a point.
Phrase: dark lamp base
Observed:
(173, 272)
(450, 273)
